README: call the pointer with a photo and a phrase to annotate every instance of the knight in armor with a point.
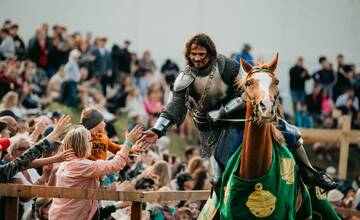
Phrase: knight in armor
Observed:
(207, 88)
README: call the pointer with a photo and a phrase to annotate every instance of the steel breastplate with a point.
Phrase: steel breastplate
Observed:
(217, 89)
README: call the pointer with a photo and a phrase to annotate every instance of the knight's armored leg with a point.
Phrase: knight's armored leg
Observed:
(310, 176)
(215, 175)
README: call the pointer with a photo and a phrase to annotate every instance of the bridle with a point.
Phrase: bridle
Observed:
(253, 116)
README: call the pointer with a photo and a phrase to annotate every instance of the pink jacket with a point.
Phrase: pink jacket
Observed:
(327, 105)
(81, 173)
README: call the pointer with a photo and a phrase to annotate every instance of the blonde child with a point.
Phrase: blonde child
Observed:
(84, 173)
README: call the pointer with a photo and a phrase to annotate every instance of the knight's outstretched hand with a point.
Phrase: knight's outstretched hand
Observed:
(139, 147)
(149, 137)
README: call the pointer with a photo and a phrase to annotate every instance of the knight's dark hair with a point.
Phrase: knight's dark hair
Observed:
(202, 40)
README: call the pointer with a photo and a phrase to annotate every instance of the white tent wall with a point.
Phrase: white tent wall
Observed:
(293, 28)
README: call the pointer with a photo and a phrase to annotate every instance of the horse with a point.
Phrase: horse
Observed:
(261, 179)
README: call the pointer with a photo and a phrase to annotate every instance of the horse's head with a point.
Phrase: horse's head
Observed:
(261, 88)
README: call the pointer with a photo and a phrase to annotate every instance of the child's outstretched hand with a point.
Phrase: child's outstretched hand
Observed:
(134, 134)
(139, 147)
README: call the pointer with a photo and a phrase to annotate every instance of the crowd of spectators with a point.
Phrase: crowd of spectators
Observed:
(80, 72)
(335, 92)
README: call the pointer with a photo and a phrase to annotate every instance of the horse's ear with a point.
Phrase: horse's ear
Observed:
(274, 62)
(245, 65)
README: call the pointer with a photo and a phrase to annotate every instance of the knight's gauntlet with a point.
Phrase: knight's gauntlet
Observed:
(232, 106)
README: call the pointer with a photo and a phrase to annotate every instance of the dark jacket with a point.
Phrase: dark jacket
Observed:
(325, 76)
(20, 49)
(297, 82)
(102, 63)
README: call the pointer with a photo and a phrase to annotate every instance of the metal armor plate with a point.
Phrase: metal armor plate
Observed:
(183, 80)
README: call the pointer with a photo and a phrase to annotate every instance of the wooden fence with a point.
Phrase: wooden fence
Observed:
(345, 136)
(12, 192)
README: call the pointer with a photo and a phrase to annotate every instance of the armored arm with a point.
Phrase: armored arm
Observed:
(232, 106)
(229, 70)
(291, 134)
(175, 110)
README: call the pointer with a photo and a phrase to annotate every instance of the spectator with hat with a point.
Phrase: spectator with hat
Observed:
(20, 50)
(93, 120)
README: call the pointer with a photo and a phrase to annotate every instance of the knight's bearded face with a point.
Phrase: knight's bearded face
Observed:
(199, 56)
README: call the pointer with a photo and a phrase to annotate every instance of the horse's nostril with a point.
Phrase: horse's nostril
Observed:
(262, 105)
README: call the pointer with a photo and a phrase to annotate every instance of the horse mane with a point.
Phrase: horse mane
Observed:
(240, 85)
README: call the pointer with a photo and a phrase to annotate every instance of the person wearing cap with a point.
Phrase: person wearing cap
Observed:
(20, 49)
(93, 120)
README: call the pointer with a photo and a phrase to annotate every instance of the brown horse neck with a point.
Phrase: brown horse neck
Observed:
(256, 153)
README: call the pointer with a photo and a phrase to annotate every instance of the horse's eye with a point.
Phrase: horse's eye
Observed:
(276, 82)
(248, 83)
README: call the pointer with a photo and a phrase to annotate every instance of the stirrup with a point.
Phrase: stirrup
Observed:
(323, 173)
(316, 175)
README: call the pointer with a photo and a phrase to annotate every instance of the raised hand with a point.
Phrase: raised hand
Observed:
(139, 147)
(134, 134)
(149, 137)
(60, 126)
(40, 125)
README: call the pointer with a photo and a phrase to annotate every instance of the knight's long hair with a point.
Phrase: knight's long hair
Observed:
(202, 40)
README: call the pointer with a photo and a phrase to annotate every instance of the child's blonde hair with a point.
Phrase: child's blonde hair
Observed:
(78, 139)
(194, 164)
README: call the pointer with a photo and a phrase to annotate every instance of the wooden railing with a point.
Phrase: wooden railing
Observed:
(345, 136)
(12, 192)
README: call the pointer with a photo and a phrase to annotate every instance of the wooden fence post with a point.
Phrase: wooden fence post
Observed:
(136, 210)
(11, 207)
(344, 146)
